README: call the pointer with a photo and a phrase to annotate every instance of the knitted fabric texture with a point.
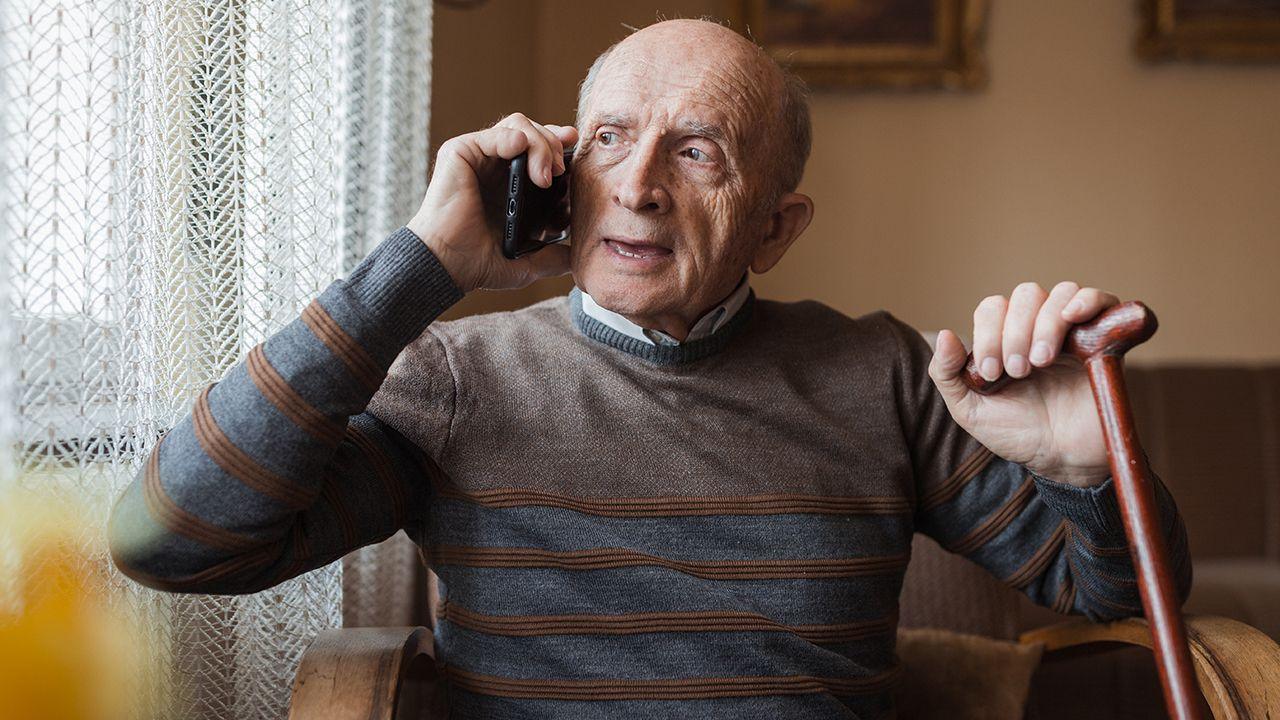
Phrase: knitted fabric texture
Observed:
(712, 530)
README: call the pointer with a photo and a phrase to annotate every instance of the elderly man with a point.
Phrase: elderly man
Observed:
(659, 496)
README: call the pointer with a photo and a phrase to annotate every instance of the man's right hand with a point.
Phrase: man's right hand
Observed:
(461, 216)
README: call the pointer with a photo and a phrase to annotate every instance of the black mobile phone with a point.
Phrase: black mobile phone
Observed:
(534, 217)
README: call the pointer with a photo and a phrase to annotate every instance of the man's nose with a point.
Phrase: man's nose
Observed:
(641, 185)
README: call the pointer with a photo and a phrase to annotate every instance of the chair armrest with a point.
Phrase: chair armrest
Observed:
(369, 674)
(1237, 666)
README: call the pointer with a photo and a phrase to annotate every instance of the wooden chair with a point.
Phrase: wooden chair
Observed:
(386, 673)
(1223, 481)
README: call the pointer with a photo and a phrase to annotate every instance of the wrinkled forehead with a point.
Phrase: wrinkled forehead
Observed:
(678, 83)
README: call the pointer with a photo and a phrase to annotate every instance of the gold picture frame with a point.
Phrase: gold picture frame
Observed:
(1217, 30)
(872, 44)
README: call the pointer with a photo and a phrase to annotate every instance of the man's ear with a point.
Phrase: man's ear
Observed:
(790, 217)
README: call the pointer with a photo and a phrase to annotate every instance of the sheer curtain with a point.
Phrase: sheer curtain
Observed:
(178, 178)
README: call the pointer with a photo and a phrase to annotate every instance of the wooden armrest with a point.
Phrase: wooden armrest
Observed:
(1237, 666)
(370, 674)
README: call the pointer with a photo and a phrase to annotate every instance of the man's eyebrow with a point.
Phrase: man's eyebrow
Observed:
(614, 119)
(702, 128)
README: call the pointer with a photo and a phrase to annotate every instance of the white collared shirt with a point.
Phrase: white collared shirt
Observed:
(714, 319)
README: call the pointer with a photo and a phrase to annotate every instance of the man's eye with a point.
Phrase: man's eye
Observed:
(697, 154)
(607, 137)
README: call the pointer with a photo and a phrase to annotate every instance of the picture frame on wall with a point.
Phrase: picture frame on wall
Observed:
(1212, 30)
(872, 44)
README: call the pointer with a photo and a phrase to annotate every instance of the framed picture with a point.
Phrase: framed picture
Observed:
(872, 43)
(1229, 30)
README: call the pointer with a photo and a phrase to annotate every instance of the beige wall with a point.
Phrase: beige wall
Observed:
(1077, 162)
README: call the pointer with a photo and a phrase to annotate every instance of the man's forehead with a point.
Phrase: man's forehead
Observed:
(714, 97)
(705, 121)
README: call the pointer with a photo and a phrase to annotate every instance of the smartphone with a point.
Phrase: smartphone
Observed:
(535, 217)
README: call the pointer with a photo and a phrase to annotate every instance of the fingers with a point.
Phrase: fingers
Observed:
(496, 142)
(546, 153)
(568, 134)
(1019, 324)
(1027, 330)
(988, 324)
(1051, 327)
(1087, 303)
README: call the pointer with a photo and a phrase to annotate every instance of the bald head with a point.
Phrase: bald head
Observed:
(753, 84)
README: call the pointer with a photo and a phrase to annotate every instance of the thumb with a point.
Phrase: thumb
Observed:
(948, 360)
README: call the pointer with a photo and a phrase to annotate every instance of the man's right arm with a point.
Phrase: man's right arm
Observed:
(278, 469)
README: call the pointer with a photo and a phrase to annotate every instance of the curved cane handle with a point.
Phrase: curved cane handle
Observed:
(1114, 331)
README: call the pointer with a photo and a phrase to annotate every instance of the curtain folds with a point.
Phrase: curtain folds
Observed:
(178, 178)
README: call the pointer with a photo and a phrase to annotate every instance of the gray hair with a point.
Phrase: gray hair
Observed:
(793, 117)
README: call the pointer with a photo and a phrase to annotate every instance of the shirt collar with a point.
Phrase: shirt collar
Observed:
(712, 320)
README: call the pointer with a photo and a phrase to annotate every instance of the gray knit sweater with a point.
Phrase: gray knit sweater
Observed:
(713, 530)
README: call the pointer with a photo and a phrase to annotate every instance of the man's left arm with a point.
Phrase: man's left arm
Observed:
(1018, 481)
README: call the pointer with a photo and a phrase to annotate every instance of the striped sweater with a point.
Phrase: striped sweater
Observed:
(712, 530)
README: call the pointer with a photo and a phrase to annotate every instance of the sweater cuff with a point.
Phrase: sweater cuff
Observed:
(403, 286)
(1094, 511)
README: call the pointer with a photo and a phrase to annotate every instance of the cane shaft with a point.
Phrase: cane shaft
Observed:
(1147, 547)
(1100, 344)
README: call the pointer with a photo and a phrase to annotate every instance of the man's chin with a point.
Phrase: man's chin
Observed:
(626, 295)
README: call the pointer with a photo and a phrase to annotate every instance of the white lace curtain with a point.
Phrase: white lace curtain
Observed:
(178, 178)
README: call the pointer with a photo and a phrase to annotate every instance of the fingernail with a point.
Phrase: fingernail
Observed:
(1074, 307)
(1040, 352)
(546, 175)
(990, 368)
(1016, 365)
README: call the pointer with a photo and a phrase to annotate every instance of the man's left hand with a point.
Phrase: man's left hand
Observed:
(1047, 419)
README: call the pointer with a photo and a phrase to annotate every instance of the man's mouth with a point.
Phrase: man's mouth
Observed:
(636, 249)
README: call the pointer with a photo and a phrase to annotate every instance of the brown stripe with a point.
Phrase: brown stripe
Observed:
(641, 623)
(382, 466)
(166, 513)
(949, 488)
(669, 689)
(609, 558)
(682, 506)
(1094, 597)
(1120, 551)
(292, 405)
(1036, 564)
(345, 347)
(238, 464)
(1074, 535)
(329, 491)
(997, 521)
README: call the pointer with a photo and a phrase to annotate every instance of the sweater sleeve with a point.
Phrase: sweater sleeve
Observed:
(279, 468)
(1062, 546)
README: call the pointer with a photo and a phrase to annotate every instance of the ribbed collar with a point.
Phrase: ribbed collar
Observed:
(706, 325)
(661, 354)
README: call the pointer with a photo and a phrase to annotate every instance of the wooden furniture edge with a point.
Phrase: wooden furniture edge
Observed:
(1237, 666)
(360, 672)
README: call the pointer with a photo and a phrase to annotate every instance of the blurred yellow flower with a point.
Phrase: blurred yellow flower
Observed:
(65, 654)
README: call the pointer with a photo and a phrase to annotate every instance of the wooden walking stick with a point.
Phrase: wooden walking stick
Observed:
(1101, 344)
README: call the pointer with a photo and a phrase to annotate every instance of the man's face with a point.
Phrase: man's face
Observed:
(669, 193)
